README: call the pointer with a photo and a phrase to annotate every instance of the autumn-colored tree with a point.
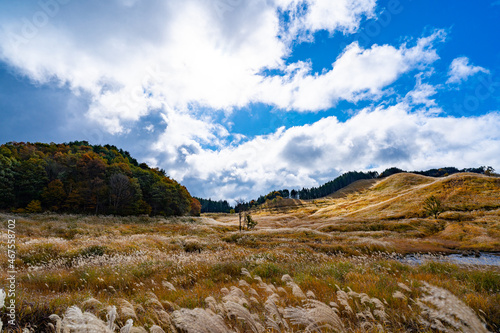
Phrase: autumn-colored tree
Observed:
(53, 196)
(195, 207)
(96, 195)
(91, 166)
(91, 176)
(35, 206)
(82, 178)
(141, 207)
(74, 200)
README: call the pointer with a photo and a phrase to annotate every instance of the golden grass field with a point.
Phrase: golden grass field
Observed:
(326, 265)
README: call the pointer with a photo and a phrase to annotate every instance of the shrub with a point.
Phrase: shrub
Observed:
(193, 246)
(251, 223)
(232, 238)
(94, 251)
(432, 206)
(269, 270)
(35, 206)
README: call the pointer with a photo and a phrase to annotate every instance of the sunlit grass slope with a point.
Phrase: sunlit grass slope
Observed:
(327, 265)
(391, 212)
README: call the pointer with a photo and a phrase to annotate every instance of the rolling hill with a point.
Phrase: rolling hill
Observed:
(390, 211)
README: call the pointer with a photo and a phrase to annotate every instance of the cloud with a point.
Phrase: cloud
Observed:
(460, 70)
(185, 134)
(356, 74)
(421, 94)
(301, 151)
(309, 155)
(306, 17)
(186, 61)
(135, 57)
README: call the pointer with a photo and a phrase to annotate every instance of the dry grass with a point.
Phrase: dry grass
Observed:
(324, 266)
(155, 280)
(392, 210)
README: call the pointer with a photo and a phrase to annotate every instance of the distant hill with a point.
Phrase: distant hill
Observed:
(402, 196)
(77, 177)
(349, 182)
(390, 214)
(357, 186)
(395, 198)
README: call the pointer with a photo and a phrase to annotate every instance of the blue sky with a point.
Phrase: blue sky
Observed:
(234, 98)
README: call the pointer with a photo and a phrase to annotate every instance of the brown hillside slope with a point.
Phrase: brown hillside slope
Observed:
(390, 212)
(388, 189)
(357, 186)
(460, 192)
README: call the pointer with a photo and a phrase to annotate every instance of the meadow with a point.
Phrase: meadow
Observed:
(326, 265)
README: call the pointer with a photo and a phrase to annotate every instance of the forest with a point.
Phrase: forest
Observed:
(77, 177)
(214, 206)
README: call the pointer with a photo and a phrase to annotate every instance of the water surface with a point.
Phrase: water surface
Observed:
(485, 259)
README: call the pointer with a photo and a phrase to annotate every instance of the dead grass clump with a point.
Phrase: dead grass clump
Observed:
(193, 246)
(462, 232)
(74, 320)
(199, 321)
(370, 245)
(242, 314)
(315, 316)
(91, 304)
(126, 310)
(441, 310)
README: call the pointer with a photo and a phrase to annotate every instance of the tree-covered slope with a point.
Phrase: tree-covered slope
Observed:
(80, 178)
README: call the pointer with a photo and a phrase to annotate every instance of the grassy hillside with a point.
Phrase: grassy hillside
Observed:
(355, 187)
(328, 265)
(390, 212)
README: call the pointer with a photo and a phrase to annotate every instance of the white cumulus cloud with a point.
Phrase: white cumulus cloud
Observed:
(133, 57)
(189, 61)
(356, 74)
(373, 139)
(460, 70)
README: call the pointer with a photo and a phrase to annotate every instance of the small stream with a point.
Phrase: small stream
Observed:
(484, 259)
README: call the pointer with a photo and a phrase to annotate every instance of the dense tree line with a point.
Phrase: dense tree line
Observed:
(390, 172)
(211, 206)
(335, 185)
(441, 172)
(308, 193)
(242, 205)
(448, 171)
(80, 178)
